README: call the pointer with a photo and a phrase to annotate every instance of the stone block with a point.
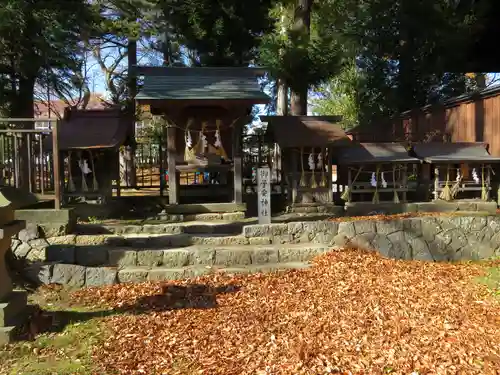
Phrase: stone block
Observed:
(117, 241)
(346, 228)
(91, 240)
(490, 207)
(55, 229)
(122, 258)
(36, 254)
(265, 230)
(439, 249)
(400, 247)
(7, 335)
(363, 241)
(69, 239)
(60, 253)
(227, 257)
(264, 256)
(150, 258)
(13, 308)
(341, 240)
(68, 274)
(170, 229)
(284, 239)
(163, 274)
(419, 248)
(300, 254)
(324, 238)
(14, 244)
(29, 233)
(132, 275)
(131, 229)
(382, 244)
(413, 226)
(494, 224)
(387, 227)
(295, 228)
(39, 243)
(477, 224)
(91, 255)
(202, 256)
(97, 276)
(430, 228)
(259, 240)
(22, 250)
(39, 272)
(176, 258)
(365, 227)
(233, 216)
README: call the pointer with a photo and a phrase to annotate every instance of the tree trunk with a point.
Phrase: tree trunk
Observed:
(302, 26)
(128, 176)
(282, 102)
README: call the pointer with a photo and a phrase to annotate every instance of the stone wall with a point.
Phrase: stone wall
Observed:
(431, 238)
(41, 225)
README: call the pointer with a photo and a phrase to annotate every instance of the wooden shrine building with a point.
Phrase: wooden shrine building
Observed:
(376, 172)
(457, 170)
(89, 142)
(203, 111)
(306, 144)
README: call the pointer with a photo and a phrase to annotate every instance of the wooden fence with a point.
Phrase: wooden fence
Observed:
(25, 162)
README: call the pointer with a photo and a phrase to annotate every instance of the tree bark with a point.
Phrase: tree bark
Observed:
(302, 28)
(282, 102)
(128, 177)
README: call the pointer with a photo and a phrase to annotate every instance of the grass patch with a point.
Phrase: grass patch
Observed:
(65, 347)
(492, 280)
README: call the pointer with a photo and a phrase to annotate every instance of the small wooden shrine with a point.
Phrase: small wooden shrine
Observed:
(89, 142)
(306, 144)
(457, 170)
(203, 111)
(376, 172)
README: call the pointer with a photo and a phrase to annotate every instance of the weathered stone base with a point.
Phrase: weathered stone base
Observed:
(387, 208)
(78, 276)
(316, 208)
(12, 314)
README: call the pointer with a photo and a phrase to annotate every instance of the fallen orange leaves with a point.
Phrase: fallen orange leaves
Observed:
(352, 313)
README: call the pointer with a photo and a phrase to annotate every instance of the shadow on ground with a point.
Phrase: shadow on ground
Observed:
(172, 297)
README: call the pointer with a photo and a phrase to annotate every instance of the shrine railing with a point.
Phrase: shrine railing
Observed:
(25, 161)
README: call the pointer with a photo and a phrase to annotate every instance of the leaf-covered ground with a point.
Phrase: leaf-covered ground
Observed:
(352, 313)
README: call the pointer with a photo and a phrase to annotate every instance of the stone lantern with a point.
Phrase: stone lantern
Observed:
(12, 303)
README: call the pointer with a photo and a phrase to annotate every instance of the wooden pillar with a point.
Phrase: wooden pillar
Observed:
(238, 163)
(329, 177)
(58, 166)
(173, 180)
(436, 183)
(294, 155)
(405, 182)
(349, 183)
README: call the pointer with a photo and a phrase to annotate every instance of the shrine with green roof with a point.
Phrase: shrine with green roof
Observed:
(203, 111)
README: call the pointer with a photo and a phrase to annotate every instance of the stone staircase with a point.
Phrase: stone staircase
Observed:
(105, 254)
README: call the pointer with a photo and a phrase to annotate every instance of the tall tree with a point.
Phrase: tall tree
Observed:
(39, 37)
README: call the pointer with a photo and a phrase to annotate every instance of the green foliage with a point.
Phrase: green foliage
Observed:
(220, 32)
(300, 59)
(39, 37)
(339, 96)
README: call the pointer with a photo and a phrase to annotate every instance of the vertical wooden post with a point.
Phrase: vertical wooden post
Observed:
(57, 165)
(162, 170)
(405, 182)
(238, 163)
(329, 177)
(436, 183)
(488, 181)
(173, 181)
(349, 183)
(283, 170)
(30, 164)
(293, 174)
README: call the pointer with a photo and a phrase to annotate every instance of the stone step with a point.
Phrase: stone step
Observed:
(80, 276)
(12, 312)
(207, 255)
(6, 335)
(191, 227)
